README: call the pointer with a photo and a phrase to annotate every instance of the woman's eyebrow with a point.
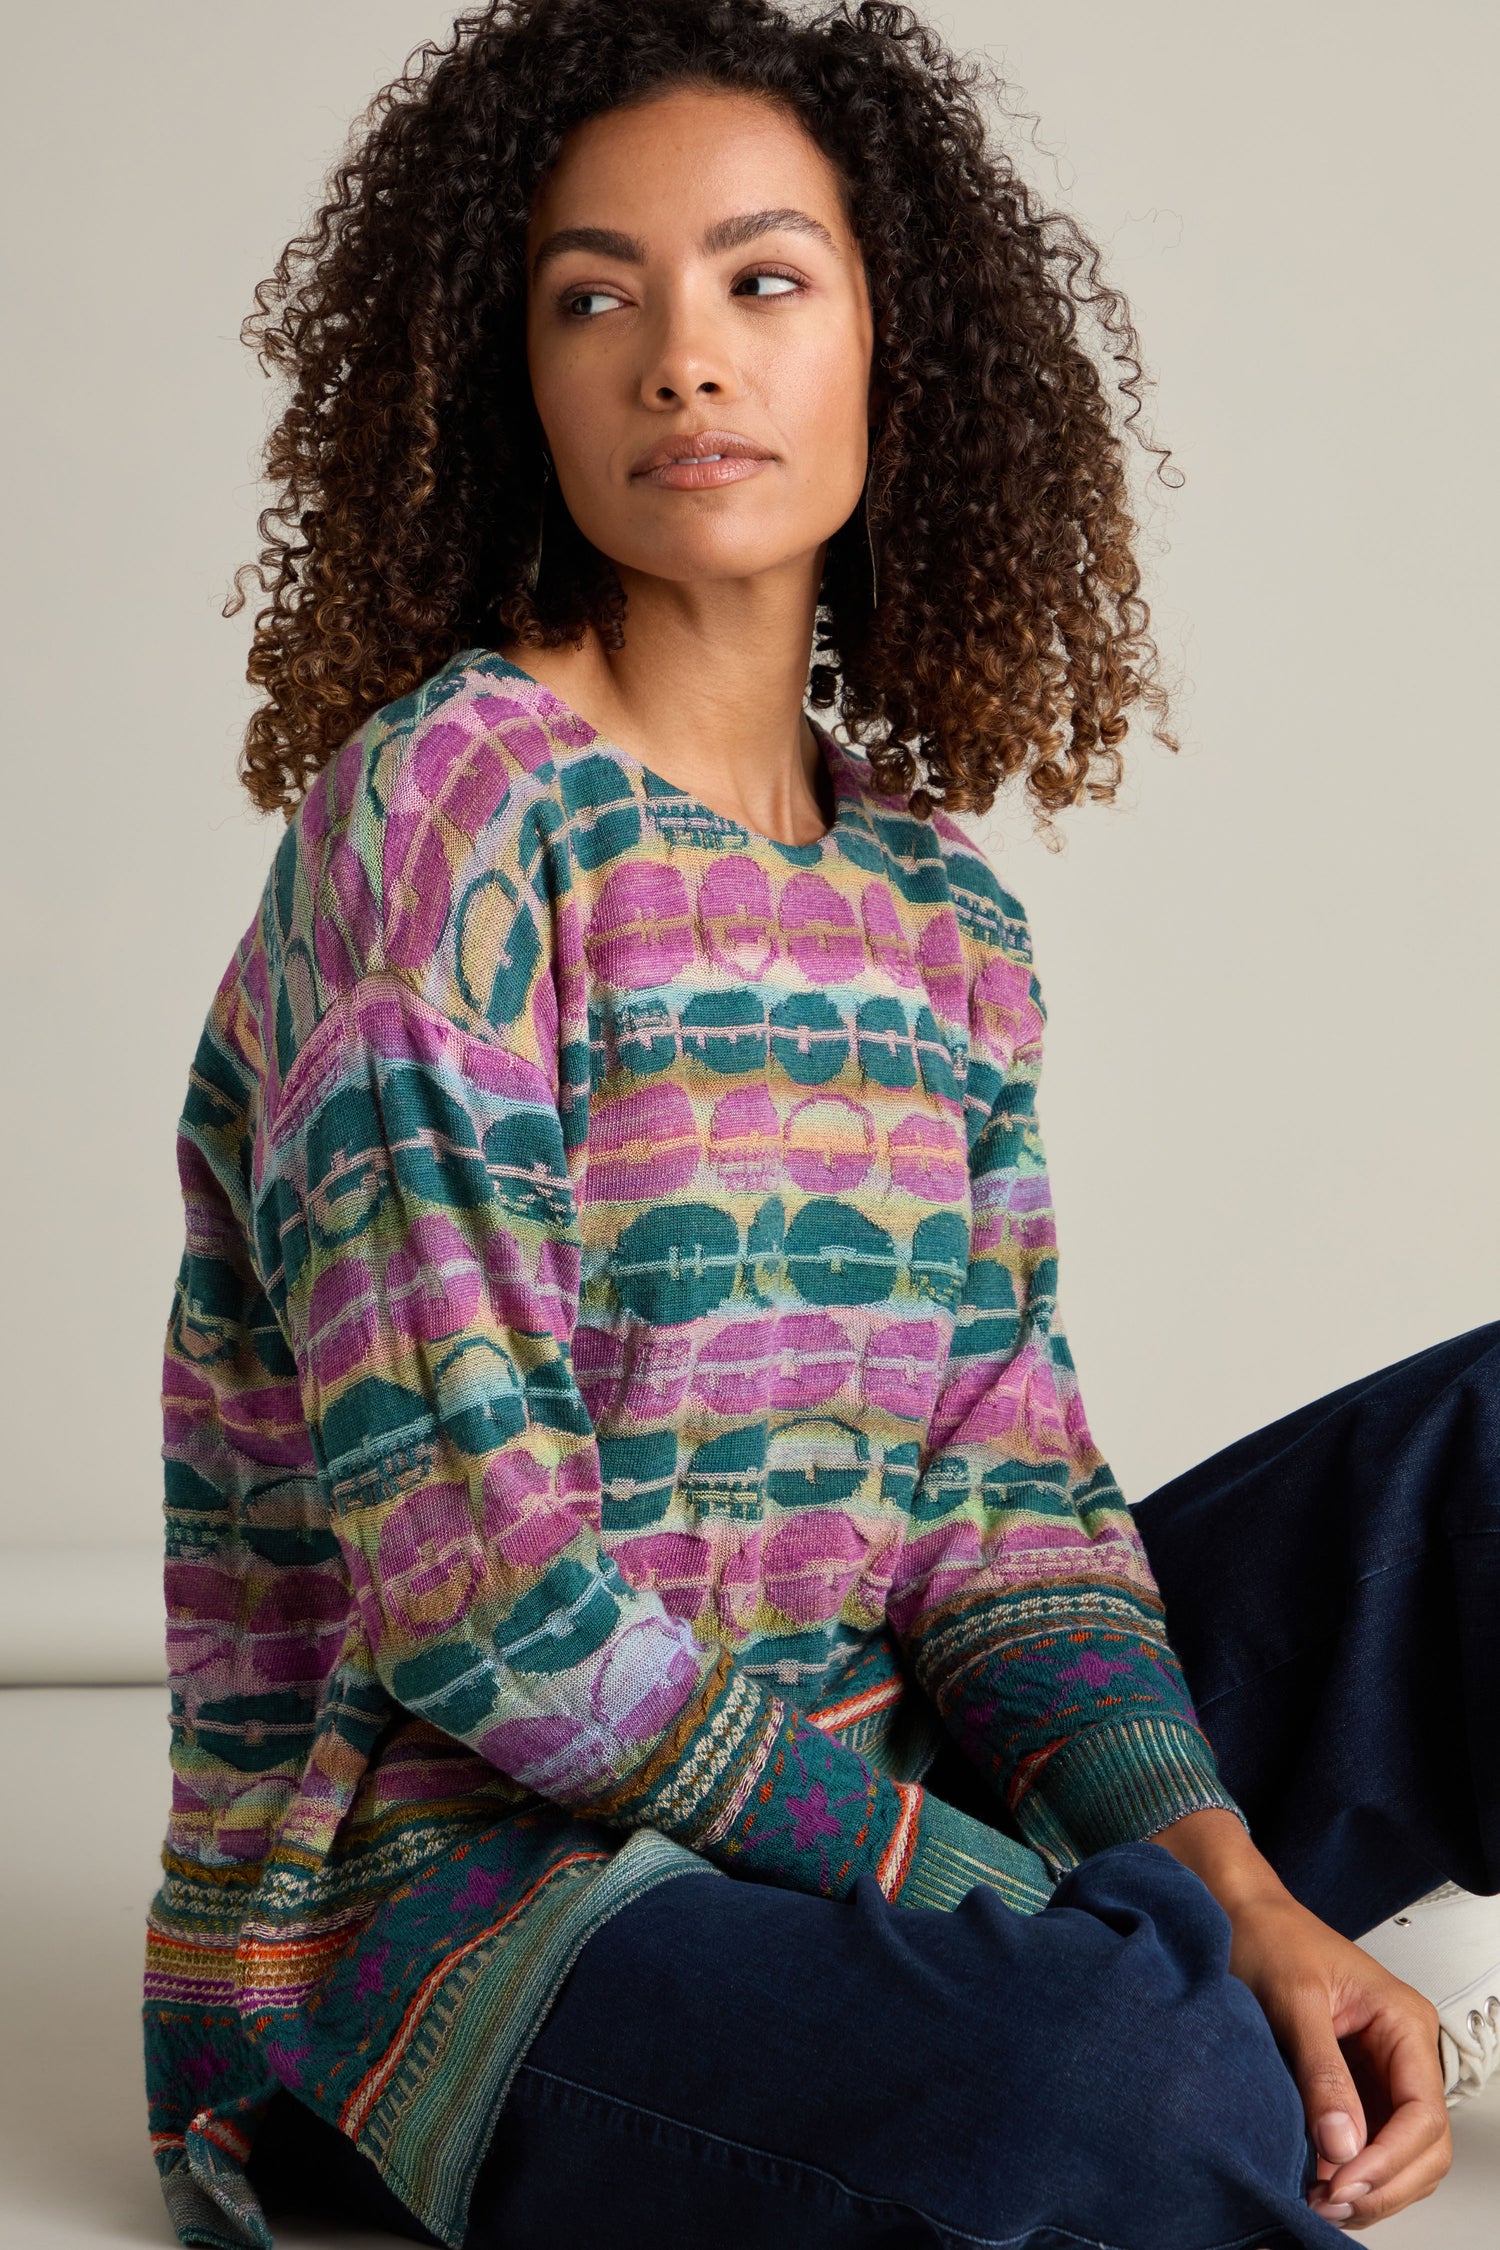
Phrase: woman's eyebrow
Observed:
(725, 234)
(730, 234)
(604, 242)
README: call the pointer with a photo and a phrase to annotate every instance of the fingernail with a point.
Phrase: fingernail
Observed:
(1337, 2136)
(1338, 2210)
(1357, 2188)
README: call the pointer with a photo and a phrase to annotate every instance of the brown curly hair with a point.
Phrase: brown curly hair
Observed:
(1012, 636)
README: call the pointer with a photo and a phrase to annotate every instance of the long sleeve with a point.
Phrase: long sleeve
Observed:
(419, 1235)
(1024, 1597)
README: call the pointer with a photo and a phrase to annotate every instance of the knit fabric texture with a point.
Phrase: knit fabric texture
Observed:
(617, 1419)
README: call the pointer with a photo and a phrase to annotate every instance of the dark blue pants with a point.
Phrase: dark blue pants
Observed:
(734, 2065)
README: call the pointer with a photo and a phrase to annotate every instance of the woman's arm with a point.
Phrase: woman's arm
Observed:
(1024, 1595)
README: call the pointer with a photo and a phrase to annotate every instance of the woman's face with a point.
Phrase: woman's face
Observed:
(691, 270)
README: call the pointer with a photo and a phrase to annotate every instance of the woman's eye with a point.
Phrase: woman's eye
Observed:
(788, 281)
(767, 284)
(583, 296)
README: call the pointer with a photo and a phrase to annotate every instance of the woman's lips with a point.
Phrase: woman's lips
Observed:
(695, 476)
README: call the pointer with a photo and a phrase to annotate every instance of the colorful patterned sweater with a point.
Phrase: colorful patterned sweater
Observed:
(616, 1418)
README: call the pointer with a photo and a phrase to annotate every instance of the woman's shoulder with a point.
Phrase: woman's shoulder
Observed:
(985, 906)
(426, 850)
(461, 757)
(459, 780)
(936, 864)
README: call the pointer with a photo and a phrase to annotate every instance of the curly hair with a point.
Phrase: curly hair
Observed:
(1010, 635)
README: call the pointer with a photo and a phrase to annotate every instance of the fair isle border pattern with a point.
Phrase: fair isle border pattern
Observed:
(433, 2109)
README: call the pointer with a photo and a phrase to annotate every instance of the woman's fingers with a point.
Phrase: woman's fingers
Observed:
(1335, 2114)
(1413, 2149)
(1357, 2205)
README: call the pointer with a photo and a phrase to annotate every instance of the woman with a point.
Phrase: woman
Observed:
(618, 1425)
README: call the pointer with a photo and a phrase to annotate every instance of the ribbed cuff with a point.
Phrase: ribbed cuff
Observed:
(1119, 1785)
(954, 1851)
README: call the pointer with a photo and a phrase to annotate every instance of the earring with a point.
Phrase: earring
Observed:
(870, 541)
(534, 567)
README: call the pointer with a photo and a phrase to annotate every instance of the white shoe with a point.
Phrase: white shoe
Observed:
(1447, 1947)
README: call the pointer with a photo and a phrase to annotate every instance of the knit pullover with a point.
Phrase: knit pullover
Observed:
(616, 1419)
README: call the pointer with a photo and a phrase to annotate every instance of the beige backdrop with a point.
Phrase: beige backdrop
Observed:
(1271, 976)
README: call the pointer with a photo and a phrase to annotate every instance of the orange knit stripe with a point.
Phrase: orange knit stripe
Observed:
(289, 1953)
(896, 1858)
(222, 2134)
(217, 1952)
(858, 1706)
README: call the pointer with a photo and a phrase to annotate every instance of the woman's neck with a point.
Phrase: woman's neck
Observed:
(706, 696)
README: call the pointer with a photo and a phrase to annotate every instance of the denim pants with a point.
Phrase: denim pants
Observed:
(737, 2066)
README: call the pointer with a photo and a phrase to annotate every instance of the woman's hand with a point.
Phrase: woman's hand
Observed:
(1362, 2046)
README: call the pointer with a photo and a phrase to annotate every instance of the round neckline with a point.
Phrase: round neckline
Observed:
(845, 785)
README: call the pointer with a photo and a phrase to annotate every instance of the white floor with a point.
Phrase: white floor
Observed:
(75, 2172)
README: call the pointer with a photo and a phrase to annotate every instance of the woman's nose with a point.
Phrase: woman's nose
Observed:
(687, 361)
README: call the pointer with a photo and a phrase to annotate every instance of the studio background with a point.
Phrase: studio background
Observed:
(1271, 974)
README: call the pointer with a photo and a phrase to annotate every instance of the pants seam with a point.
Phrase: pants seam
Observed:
(1327, 1633)
(798, 2164)
(944, 2232)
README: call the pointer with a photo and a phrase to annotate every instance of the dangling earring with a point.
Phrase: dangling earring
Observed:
(870, 541)
(534, 567)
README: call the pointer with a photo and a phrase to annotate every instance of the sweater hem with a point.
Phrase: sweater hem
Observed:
(200, 2222)
(430, 2131)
